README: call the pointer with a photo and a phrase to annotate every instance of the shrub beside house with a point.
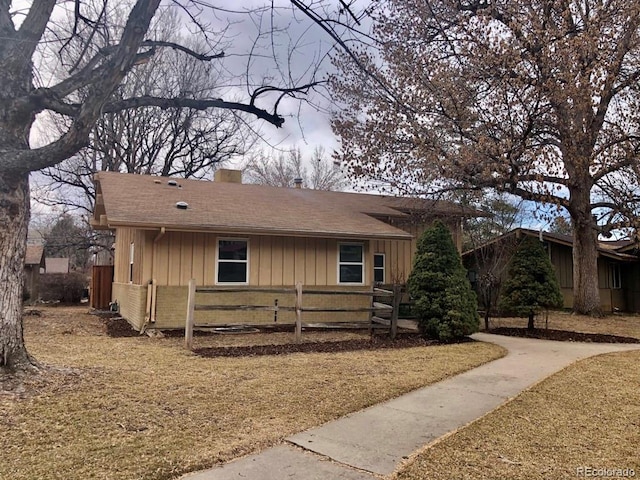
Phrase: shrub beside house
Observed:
(444, 303)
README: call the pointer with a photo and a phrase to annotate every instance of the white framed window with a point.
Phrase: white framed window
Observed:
(132, 251)
(378, 268)
(616, 276)
(232, 261)
(351, 263)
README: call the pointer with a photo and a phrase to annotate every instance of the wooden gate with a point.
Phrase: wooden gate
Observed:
(101, 280)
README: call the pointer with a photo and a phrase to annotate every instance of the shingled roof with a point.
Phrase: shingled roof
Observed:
(606, 248)
(150, 202)
(34, 255)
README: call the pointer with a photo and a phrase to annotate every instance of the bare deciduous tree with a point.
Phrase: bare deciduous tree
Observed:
(283, 170)
(81, 93)
(181, 142)
(538, 99)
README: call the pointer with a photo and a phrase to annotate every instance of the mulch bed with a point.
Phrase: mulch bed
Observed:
(116, 326)
(374, 343)
(561, 335)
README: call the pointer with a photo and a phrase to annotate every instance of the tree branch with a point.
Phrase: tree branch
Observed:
(6, 24)
(32, 29)
(183, 49)
(148, 101)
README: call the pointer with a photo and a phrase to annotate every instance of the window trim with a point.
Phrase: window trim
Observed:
(383, 267)
(616, 276)
(362, 263)
(232, 239)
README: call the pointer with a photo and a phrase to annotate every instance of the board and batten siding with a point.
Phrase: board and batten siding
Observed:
(273, 260)
(173, 258)
(141, 259)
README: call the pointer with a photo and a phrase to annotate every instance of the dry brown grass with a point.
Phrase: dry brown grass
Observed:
(622, 325)
(587, 415)
(142, 408)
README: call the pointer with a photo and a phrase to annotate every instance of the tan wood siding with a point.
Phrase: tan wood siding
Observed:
(273, 261)
(321, 260)
(124, 238)
(186, 258)
(264, 266)
(199, 261)
(209, 260)
(175, 242)
(310, 261)
(562, 260)
(254, 260)
(300, 263)
(277, 252)
(398, 258)
(332, 263)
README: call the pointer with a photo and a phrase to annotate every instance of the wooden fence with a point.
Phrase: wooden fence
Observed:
(298, 308)
(100, 289)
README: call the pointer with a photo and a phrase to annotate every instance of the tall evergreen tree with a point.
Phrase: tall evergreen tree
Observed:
(445, 304)
(532, 284)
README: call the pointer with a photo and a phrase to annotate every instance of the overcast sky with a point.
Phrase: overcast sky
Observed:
(297, 50)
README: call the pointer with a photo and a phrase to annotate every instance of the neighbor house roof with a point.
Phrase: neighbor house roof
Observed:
(34, 255)
(150, 202)
(605, 248)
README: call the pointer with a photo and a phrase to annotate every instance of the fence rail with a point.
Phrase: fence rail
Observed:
(298, 307)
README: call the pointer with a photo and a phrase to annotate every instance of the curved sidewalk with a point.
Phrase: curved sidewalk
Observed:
(371, 443)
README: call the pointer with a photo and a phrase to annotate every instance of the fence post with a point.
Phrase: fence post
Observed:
(298, 312)
(397, 296)
(191, 302)
(373, 312)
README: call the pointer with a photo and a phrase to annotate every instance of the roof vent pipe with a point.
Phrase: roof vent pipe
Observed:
(297, 182)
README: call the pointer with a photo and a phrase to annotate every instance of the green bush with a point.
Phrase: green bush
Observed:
(62, 287)
(531, 285)
(444, 303)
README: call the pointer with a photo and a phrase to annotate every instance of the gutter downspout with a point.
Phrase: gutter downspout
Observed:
(151, 312)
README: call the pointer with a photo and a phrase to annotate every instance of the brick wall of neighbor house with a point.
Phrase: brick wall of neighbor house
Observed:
(132, 300)
(171, 307)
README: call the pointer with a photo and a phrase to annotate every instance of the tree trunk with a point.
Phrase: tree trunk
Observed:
(586, 292)
(531, 324)
(14, 218)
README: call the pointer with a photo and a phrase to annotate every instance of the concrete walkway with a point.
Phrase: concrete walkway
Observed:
(371, 443)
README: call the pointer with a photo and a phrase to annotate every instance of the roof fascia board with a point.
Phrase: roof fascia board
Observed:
(223, 230)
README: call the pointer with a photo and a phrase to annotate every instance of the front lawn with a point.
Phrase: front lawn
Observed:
(584, 417)
(139, 407)
(625, 325)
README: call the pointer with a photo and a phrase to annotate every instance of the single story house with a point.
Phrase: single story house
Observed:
(618, 266)
(239, 236)
(34, 262)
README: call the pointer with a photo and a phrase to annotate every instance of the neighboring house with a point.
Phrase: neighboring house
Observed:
(34, 261)
(56, 265)
(618, 266)
(228, 234)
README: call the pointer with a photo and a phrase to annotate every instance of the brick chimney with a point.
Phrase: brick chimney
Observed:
(226, 175)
